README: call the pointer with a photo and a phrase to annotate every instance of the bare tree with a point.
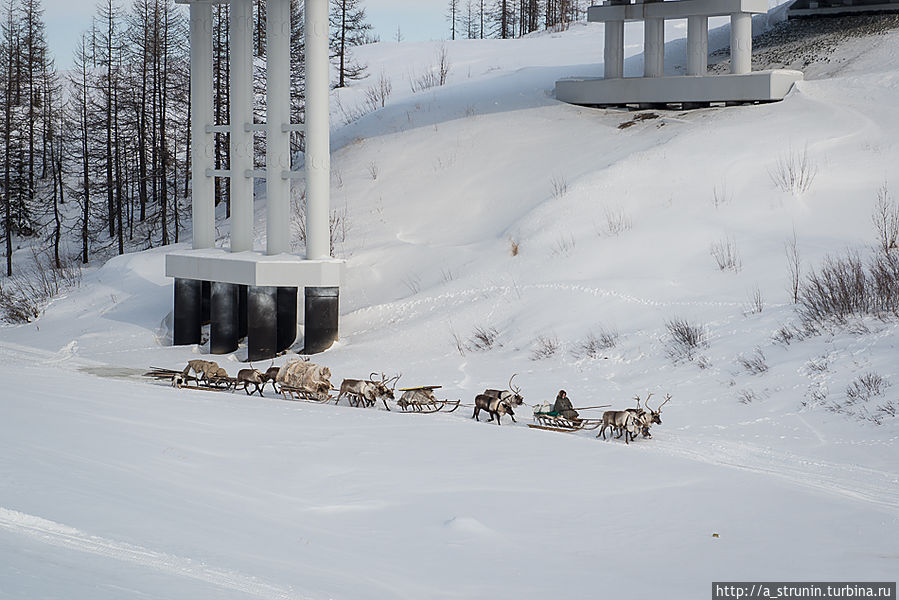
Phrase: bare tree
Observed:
(886, 219)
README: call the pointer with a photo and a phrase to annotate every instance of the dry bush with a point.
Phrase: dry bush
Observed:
(617, 221)
(794, 172)
(886, 220)
(25, 294)
(726, 255)
(376, 96)
(338, 223)
(559, 186)
(564, 245)
(756, 303)
(755, 363)
(433, 76)
(593, 345)
(513, 246)
(795, 266)
(545, 347)
(846, 286)
(865, 400)
(685, 339)
(484, 338)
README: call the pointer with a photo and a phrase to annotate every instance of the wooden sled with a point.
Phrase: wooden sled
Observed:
(217, 384)
(552, 422)
(299, 394)
(431, 407)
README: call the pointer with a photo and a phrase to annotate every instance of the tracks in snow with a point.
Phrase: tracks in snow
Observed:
(876, 487)
(63, 536)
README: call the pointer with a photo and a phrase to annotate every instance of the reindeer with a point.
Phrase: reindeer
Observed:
(206, 371)
(368, 391)
(248, 376)
(493, 405)
(512, 398)
(623, 420)
(271, 374)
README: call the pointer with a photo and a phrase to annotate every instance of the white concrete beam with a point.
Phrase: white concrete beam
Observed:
(201, 116)
(654, 48)
(697, 46)
(740, 43)
(242, 217)
(277, 156)
(318, 134)
(675, 10)
(613, 54)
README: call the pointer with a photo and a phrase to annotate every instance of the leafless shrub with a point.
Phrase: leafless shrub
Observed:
(545, 347)
(593, 345)
(373, 170)
(448, 275)
(860, 395)
(726, 255)
(457, 340)
(376, 96)
(886, 219)
(794, 172)
(25, 294)
(564, 245)
(617, 221)
(720, 195)
(559, 186)
(747, 396)
(433, 76)
(513, 246)
(846, 286)
(818, 365)
(412, 283)
(795, 266)
(755, 363)
(756, 303)
(484, 338)
(685, 339)
(338, 223)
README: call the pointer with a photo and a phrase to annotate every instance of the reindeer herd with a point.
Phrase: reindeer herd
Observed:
(301, 379)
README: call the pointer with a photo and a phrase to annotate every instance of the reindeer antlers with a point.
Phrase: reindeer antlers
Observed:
(667, 398)
(512, 387)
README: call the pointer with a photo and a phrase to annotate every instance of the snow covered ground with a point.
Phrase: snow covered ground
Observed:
(114, 487)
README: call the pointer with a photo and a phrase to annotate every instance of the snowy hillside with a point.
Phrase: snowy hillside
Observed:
(490, 230)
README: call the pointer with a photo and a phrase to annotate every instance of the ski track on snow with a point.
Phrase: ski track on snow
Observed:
(70, 538)
(880, 488)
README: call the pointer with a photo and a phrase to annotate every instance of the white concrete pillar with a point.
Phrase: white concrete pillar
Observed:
(241, 116)
(613, 54)
(201, 116)
(654, 47)
(277, 155)
(697, 45)
(318, 134)
(740, 43)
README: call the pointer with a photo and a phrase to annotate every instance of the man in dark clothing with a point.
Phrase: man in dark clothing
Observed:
(563, 407)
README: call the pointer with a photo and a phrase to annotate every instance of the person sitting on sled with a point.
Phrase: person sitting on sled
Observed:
(563, 408)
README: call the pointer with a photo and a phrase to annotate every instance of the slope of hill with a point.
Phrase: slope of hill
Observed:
(490, 230)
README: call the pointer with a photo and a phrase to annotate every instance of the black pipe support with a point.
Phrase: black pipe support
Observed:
(262, 322)
(321, 316)
(187, 314)
(287, 317)
(223, 306)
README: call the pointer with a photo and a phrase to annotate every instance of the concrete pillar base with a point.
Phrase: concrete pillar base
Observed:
(187, 315)
(262, 319)
(223, 338)
(287, 317)
(322, 311)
